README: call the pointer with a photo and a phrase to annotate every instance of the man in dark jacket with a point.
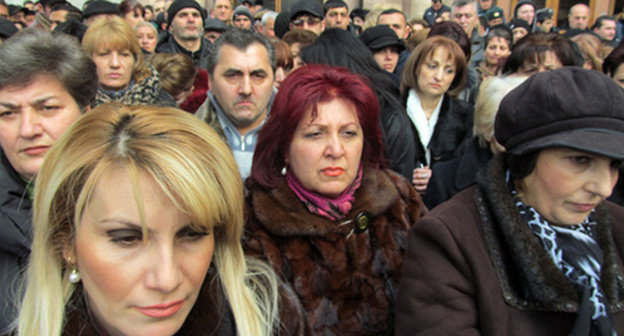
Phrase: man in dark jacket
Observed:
(185, 24)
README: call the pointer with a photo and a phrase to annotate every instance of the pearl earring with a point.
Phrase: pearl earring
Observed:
(284, 171)
(74, 276)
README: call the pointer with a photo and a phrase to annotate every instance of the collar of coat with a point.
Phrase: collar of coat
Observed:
(528, 276)
(279, 208)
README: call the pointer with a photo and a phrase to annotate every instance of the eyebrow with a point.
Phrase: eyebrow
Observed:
(36, 101)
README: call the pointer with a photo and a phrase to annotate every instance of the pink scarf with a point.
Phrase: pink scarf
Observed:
(332, 208)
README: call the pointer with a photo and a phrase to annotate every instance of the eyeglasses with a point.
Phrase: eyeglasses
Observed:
(310, 22)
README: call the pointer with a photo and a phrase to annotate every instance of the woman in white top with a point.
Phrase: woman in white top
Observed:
(434, 74)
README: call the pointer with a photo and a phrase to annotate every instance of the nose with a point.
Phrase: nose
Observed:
(164, 273)
(30, 125)
(388, 54)
(114, 59)
(334, 147)
(603, 179)
(438, 73)
(245, 86)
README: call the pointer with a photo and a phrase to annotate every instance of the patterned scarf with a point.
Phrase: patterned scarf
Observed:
(143, 93)
(332, 208)
(575, 252)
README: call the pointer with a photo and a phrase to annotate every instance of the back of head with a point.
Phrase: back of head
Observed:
(299, 94)
(177, 72)
(453, 31)
(569, 107)
(241, 40)
(33, 53)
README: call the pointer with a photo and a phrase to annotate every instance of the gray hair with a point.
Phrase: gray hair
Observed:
(241, 40)
(462, 3)
(267, 16)
(33, 52)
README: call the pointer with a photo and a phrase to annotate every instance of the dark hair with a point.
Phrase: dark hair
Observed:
(32, 52)
(499, 31)
(534, 45)
(334, 4)
(520, 166)
(392, 11)
(301, 92)
(283, 56)
(301, 36)
(241, 40)
(422, 52)
(130, 6)
(613, 60)
(338, 47)
(599, 21)
(452, 30)
(359, 12)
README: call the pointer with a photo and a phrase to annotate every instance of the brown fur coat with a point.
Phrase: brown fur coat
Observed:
(346, 281)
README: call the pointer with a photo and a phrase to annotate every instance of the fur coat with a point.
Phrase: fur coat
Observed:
(345, 279)
(475, 267)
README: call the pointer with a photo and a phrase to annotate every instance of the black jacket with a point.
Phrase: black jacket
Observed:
(15, 237)
(168, 45)
(454, 126)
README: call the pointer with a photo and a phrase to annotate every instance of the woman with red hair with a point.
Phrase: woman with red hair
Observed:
(322, 210)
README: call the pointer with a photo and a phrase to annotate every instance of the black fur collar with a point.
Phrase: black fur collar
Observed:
(529, 278)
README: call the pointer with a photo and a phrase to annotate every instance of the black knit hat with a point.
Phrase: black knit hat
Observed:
(379, 37)
(570, 107)
(178, 5)
(98, 7)
(517, 23)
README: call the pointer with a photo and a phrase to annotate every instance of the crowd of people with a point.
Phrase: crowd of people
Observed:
(171, 170)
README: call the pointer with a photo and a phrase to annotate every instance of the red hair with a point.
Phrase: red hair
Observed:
(301, 92)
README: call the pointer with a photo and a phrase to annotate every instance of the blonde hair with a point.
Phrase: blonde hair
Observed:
(115, 33)
(592, 49)
(193, 167)
(491, 92)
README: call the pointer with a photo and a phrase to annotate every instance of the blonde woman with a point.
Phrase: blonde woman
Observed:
(123, 74)
(137, 228)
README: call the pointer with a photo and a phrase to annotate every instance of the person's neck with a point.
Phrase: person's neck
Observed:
(493, 68)
(429, 103)
(258, 122)
(190, 45)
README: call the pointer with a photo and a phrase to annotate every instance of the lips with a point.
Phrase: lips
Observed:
(161, 310)
(332, 171)
(35, 150)
(583, 207)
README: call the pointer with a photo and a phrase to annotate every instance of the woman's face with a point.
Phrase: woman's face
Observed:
(147, 38)
(496, 50)
(436, 74)
(134, 17)
(138, 285)
(387, 58)
(325, 152)
(32, 117)
(280, 75)
(548, 61)
(618, 76)
(566, 184)
(114, 67)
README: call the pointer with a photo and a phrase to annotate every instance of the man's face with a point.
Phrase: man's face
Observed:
(337, 17)
(223, 10)
(268, 30)
(242, 22)
(308, 22)
(396, 21)
(579, 17)
(57, 17)
(606, 30)
(495, 22)
(485, 4)
(436, 4)
(159, 7)
(546, 26)
(526, 13)
(211, 35)
(466, 17)
(242, 83)
(187, 25)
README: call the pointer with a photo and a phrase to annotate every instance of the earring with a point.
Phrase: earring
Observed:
(284, 171)
(74, 276)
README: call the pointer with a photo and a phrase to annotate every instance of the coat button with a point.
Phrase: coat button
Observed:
(362, 221)
(568, 306)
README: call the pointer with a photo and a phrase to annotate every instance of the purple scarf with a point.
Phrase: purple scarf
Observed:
(332, 208)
